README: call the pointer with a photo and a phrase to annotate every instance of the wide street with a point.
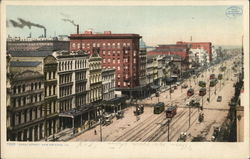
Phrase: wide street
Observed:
(152, 127)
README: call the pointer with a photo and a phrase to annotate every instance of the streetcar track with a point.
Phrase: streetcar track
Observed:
(150, 138)
(132, 129)
(171, 127)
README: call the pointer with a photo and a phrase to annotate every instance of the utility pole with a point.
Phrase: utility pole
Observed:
(189, 121)
(100, 131)
(168, 124)
(209, 92)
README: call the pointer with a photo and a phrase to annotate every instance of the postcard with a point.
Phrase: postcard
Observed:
(125, 79)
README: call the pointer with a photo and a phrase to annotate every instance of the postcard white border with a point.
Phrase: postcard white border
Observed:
(124, 150)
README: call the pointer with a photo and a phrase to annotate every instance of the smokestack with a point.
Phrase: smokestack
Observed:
(44, 32)
(77, 29)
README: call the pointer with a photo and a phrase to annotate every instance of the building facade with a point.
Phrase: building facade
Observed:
(73, 85)
(118, 51)
(25, 112)
(181, 50)
(108, 84)
(207, 46)
(95, 78)
(31, 44)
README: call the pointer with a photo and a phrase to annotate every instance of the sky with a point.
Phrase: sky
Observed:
(156, 24)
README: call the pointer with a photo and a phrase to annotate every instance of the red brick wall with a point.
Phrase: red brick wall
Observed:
(116, 53)
(195, 45)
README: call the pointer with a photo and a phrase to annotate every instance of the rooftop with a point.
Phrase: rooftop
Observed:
(24, 64)
(36, 53)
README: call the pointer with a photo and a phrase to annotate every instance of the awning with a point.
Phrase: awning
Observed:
(76, 111)
(115, 100)
(155, 86)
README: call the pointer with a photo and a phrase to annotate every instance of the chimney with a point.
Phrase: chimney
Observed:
(44, 33)
(77, 29)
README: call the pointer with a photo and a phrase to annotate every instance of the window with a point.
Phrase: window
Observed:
(78, 45)
(104, 60)
(104, 45)
(124, 84)
(73, 45)
(118, 45)
(118, 76)
(94, 44)
(108, 60)
(103, 53)
(118, 84)
(118, 61)
(128, 44)
(118, 68)
(134, 60)
(113, 45)
(113, 61)
(108, 52)
(134, 53)
(83, 45)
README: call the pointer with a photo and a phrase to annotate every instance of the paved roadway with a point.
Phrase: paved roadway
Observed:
(152, 127)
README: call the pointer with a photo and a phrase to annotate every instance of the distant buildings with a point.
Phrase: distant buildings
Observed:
(118, 51)
(31, 44)
(207, 46)
(181, 50)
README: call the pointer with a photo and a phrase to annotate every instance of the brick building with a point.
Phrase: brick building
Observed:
(181, 50)
(118, 51)
(207, 46)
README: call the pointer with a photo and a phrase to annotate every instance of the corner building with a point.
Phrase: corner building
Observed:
(118, 51)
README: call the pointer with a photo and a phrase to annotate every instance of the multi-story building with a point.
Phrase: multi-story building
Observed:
(95, 78)
(25, 112)
(207, 46)
(73, 85)
(199, 56)
(108, 84)
(51, 108)
(32, 44)
(110, 101)
(181, 50)
(152, 69)
(142, 70)
(118, 51)
(46, 67)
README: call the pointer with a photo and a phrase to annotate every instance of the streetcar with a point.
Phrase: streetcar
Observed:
(213, 82)
(202, 84)
(212, 76)
(202, 92)
(159, 108)
(190, 92)
(171, 111)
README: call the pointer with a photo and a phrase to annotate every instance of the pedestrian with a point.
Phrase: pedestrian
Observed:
(95, 132)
